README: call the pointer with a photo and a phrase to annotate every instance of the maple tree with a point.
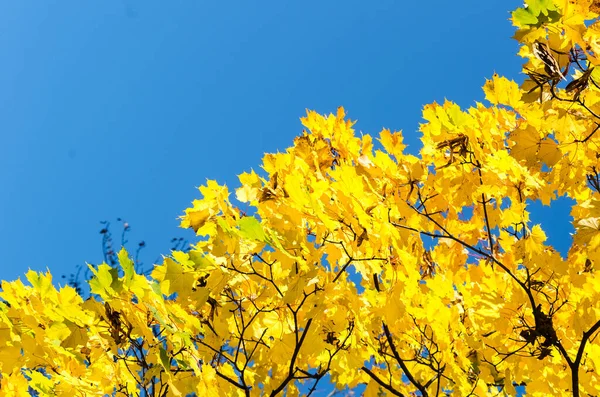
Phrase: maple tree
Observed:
(410, 275)
(78, 279)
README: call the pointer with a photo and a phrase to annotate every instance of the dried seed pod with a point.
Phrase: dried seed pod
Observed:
(551, 66)
(579, 84)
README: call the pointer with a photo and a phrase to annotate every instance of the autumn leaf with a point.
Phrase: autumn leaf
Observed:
(251, 228)
(356, 265)
(535, 13)
(105, 280)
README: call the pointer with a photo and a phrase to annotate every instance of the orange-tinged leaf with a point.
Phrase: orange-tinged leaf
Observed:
(392, 142)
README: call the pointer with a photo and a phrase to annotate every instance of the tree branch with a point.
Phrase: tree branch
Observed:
(410, 377)
(382, 383)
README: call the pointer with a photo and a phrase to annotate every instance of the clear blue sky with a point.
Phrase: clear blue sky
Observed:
(120, 108)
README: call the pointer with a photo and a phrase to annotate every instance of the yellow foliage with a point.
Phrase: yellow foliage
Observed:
(410, 275)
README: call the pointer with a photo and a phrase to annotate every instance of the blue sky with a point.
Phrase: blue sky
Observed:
(121, 108)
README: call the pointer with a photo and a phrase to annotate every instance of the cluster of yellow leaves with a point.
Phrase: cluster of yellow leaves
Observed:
(58, 344)
(407, 274)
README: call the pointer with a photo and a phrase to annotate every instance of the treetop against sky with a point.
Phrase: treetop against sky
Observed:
(122, 108)
(347, 262)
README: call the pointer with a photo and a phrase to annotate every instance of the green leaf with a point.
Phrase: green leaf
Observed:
(536, 13)
(200, 260)
(164, 359)
(40, 282)
(127, 265)
(251, 228)
(180, 279)
(524, 17)
(182, 364)
(105, 280)
(226, 228)
(156, 289)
